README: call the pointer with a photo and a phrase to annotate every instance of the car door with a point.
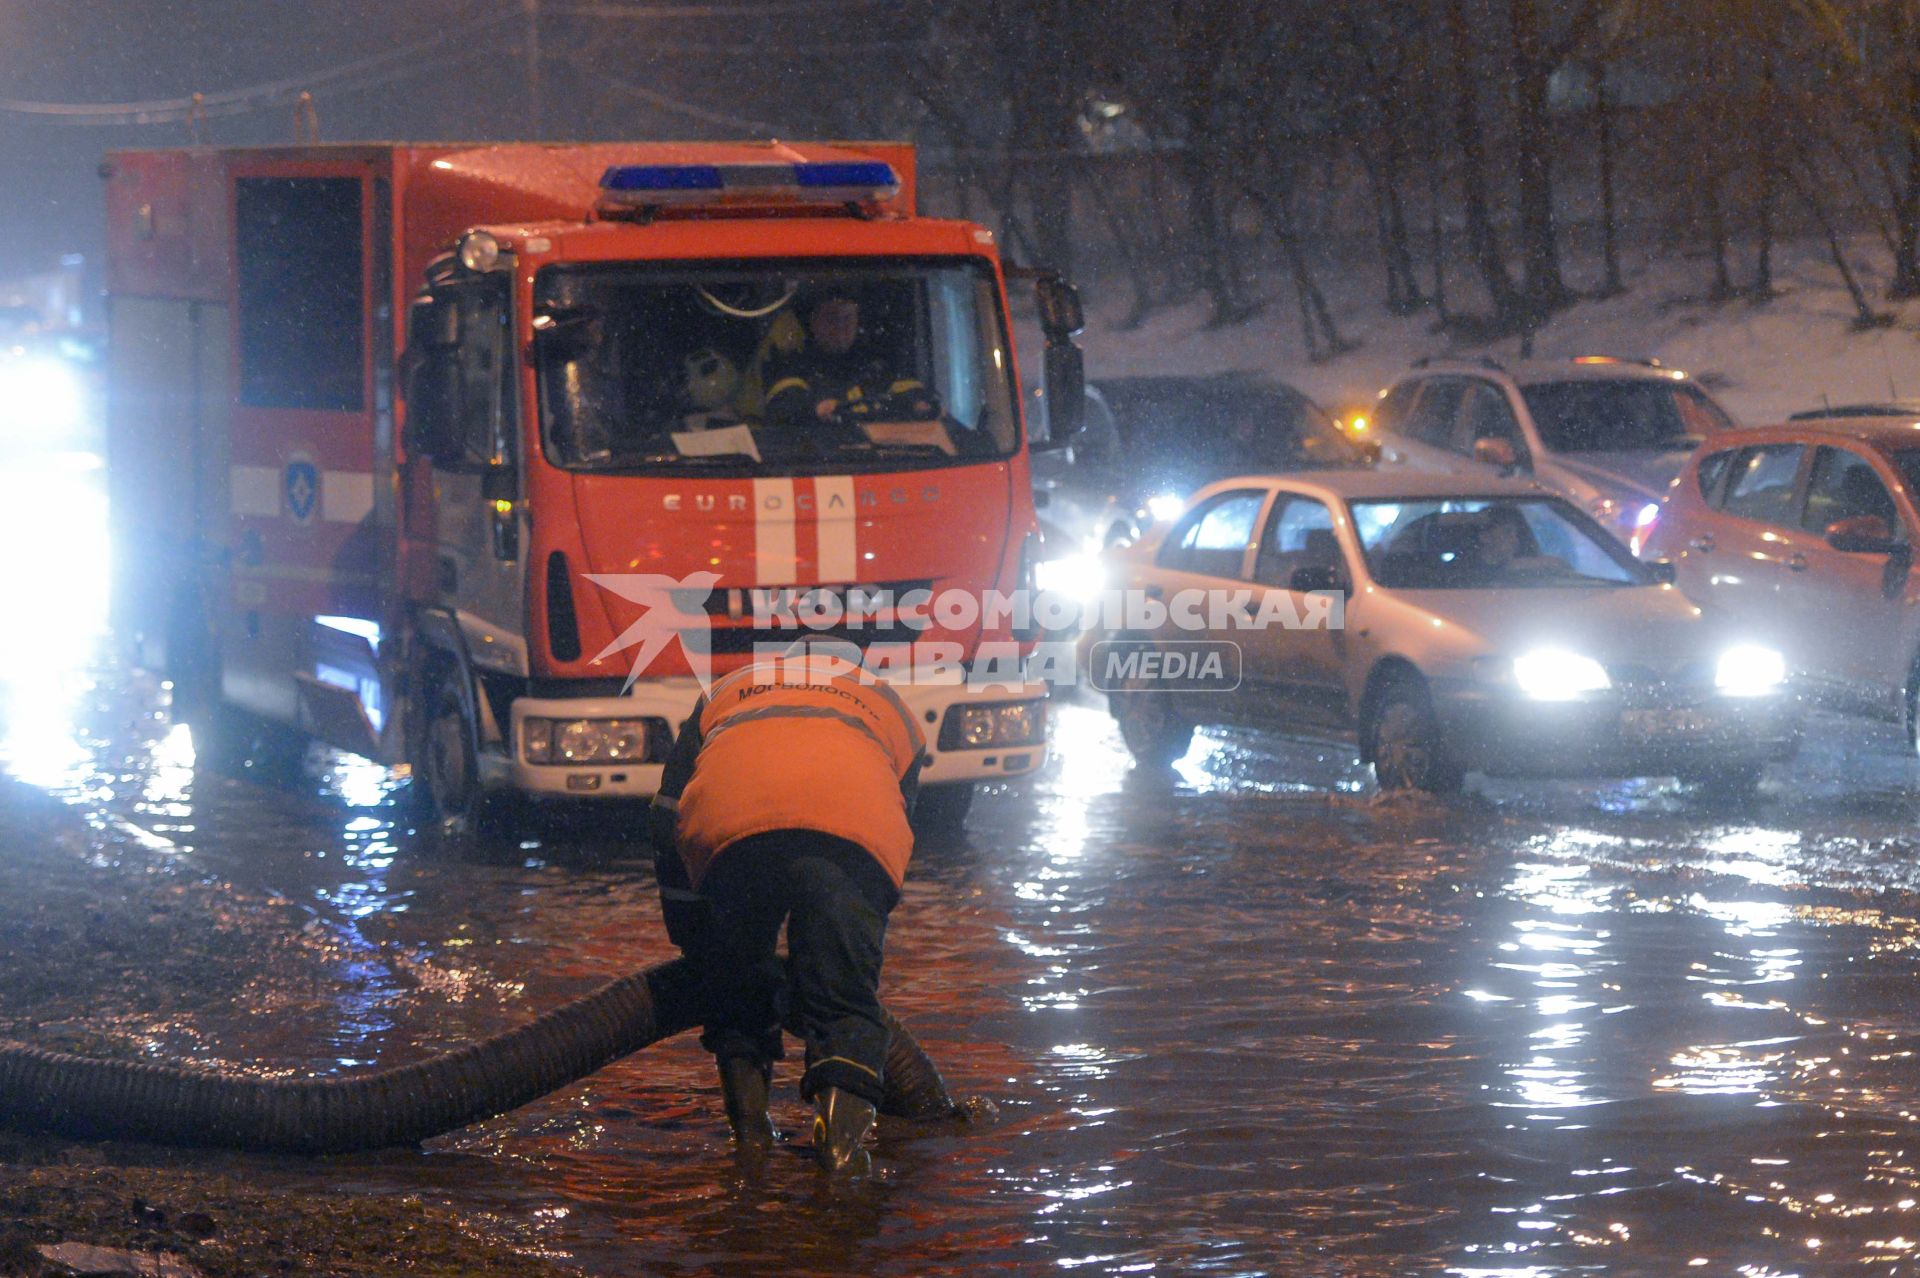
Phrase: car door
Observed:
(1845, 609)
(1297, 674)
(1732, 557)
(1691, 509)
(1208, 550)
(1484, 413)
(1425, 438)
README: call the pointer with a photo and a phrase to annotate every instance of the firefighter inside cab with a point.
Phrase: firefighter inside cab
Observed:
(837, 377)
(786, 801)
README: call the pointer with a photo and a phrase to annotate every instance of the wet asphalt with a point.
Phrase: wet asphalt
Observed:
(1246, 1016)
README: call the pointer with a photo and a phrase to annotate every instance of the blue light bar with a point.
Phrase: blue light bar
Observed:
(662, 177)
(811, 182)
(873, 174)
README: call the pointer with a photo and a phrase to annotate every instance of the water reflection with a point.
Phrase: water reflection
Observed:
(1234, 1020)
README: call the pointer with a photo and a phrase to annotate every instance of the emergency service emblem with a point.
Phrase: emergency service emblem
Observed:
(300, 485)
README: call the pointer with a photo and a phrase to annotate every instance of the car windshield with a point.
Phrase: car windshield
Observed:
(1488, 543)
(1275, 433)
(1199, 428)
(1623, 415)
(779, 367)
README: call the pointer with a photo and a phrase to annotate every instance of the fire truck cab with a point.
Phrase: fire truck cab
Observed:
(482, 458)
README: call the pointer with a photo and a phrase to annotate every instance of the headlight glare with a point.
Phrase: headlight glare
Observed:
(1077, 577)
(1750, 671)
(39, 394)
(1165, 507)
(1554, 674)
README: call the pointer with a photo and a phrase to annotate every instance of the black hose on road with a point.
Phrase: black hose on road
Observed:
(77, 1096)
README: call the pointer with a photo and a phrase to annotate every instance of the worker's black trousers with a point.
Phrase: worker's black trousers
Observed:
(834, 899)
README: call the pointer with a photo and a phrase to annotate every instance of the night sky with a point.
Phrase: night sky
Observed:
(725, 67)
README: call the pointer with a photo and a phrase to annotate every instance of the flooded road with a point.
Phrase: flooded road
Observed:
(1242, 1018)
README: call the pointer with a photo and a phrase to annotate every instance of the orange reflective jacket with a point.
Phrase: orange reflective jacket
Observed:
(797, 745)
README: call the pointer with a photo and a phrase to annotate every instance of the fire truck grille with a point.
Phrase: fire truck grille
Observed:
(736, 640)
(760, 604)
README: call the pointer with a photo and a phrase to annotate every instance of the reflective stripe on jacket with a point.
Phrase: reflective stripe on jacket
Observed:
(792, 746)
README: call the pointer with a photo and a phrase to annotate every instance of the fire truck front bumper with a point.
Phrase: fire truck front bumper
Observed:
(616, 747)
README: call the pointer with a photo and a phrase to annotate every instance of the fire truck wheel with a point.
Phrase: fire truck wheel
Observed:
(942, 808)
(446, 776)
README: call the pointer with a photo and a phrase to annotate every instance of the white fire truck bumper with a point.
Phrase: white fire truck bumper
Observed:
(989, 713)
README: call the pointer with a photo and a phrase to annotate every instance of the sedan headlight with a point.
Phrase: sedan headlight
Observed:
(573, 742)
(1750, 671)
(1005, 723)
(1554, 674)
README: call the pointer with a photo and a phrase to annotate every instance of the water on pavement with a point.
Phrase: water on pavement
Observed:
(1245, 1017)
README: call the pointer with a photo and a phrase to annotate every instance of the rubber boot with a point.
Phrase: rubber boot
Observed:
(744, 1085)
(840, 1121)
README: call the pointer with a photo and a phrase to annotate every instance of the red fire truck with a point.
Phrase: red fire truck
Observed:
(413, 447)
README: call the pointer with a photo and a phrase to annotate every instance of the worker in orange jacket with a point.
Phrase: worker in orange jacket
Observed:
(786, 799)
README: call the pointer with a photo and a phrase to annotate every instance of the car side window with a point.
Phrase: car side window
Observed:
(1760, 487)
(1844, 486)
(1299, 534)
(1432, 419)
(1213, 539)
(1485, 415)
(1391, 413)
(1711, 471)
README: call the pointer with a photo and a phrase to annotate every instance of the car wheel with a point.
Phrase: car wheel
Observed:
(1155, 732)
(1403, 737)
(942, 809)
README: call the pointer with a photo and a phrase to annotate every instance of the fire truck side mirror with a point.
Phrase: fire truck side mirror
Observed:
(1061, 316)
(1066, 391)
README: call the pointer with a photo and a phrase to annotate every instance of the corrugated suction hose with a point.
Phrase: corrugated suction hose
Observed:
(129, 1100)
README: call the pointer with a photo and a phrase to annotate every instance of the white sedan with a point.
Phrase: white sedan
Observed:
(1450, 625)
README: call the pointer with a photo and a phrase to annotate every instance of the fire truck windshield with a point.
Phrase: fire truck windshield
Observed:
(773, 367)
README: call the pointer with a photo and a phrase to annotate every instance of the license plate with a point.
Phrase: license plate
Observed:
(1664, 725)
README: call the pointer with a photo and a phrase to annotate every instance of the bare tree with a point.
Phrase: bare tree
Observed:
(1539, 48)
(1483, 245)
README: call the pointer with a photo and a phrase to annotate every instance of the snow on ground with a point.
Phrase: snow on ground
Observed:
(1763, 361)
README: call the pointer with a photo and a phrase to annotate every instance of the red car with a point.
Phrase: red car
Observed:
(1805, 534)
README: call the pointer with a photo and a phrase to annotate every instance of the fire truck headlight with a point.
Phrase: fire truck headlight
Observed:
(570, 742)
(1006, 723)
(536, 740)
